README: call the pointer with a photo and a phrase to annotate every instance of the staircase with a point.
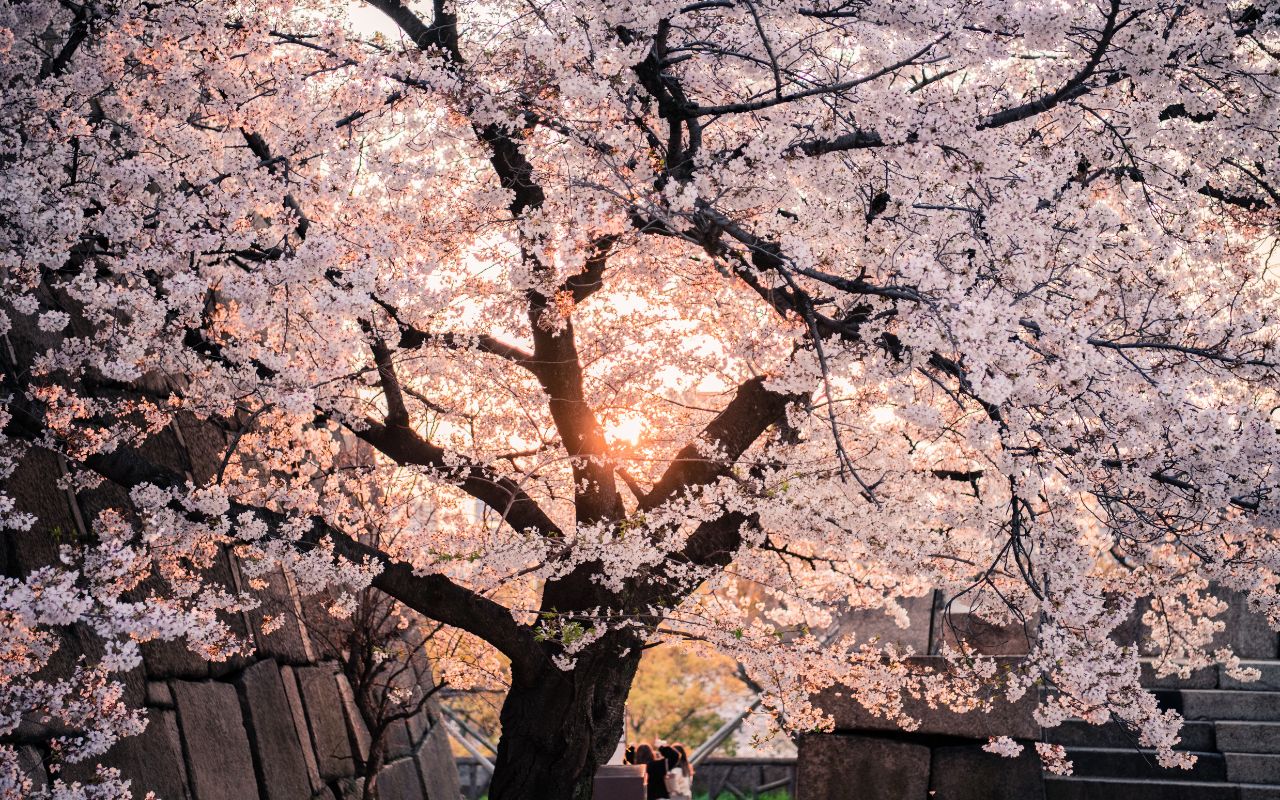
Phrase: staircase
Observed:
(1233, 728)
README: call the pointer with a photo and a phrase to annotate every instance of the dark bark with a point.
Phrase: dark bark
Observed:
(559, 727)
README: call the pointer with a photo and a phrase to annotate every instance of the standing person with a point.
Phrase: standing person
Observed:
(679, 773)
(656, 768)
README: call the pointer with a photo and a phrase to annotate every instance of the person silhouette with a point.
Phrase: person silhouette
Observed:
(655, 767)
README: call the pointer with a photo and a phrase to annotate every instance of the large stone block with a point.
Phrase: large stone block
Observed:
(1206, 678)
(172, 659)
(1268, 678)
(327, 721)
(1076, 788)
(875, 624)
(1134, 764)
(163, 447)
(287, 644)
(1197, 735)
(159, 695)
(152, 760)
(32, 768)
(217, 747)
(1005, 718)
(34, 488)
(356, 726)
(839, 767)
(1220, 704)
(399, 779)
(1253, 768)
(298, 716)
(204, 443)
(396, 741)
(968, 772)
(282, 768)
(1248, 737)
(1248, 632)
(982, 636)
(437, 765)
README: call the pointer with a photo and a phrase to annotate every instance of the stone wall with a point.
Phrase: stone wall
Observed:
(279, 725)
(870, 758)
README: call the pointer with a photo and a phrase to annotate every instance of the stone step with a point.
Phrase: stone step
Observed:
(1106, 762)
(1246, 737)
(1206, 678)
(1092, 788)
(1216, 677)
(1269, 681)
(1224, 704)
(1197, 735)
(1253, 768)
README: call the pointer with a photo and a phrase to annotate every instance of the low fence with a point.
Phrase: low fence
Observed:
(718, 778)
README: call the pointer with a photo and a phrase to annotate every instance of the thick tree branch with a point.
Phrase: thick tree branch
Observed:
(559, 370)
(405, 446)
(1077, 86)
(831, 88)
(722, 442)
(434, 596)
(591, 279)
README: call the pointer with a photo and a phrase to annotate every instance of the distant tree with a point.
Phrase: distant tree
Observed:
(635, 302)
(680, 696)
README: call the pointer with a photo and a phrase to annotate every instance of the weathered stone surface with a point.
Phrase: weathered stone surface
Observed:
(282, 771)
(303, 731)
(165, 448)
(396, 741)
(400, 779)
(158, 694)
(419, 725)
(204, 444)
(152, 760)
(34, 488)
(288, 644)
(983, 636)
(32, 768)
(1196, 735)
(216, 745)
(355, 720)
(1268, 678)
(327, 721)
(1253, 768)
(1131, 763)
(1248, 737)
(171, 659)
(1224, 704)
(1206, 678)
(869, 624)
(970, 773)
(1008, 719)
(438, 767)
(1246, 631)
(839, 767)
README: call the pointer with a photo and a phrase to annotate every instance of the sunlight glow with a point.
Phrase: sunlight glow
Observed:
(626, 429)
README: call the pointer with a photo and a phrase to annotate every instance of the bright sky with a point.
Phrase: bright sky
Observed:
(368, 21)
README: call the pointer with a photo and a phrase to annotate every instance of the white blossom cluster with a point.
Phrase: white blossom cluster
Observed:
(511, 293)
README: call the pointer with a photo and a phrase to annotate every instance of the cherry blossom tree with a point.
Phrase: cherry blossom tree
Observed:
(627, 306)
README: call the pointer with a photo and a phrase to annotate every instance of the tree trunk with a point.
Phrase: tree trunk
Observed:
(558, 727)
